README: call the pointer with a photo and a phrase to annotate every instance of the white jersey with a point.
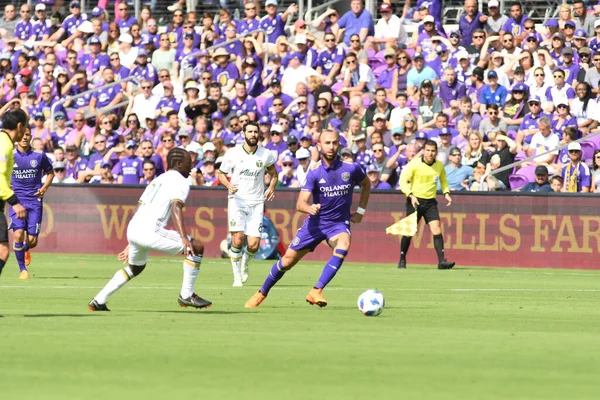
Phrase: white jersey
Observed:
(155, 204)
(247, 171)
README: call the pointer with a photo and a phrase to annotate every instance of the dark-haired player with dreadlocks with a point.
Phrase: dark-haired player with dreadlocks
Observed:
(163, 198)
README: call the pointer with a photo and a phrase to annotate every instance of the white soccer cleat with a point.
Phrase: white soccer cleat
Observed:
(237, 283)
(244, 273)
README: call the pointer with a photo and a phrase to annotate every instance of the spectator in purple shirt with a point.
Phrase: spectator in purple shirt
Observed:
(470, 20)
(70, 23)
(143, 69)
(129, 169)
(451, 91)
(242, 103)
(356, 21)
(167, 103)
(108, 96)
(251, 22)
(224, 71)
(123, 19)
(514, 25)
(24, 28)
(374, 174)
(274, 23)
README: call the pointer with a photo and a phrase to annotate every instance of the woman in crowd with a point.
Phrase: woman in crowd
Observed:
(584, 108)
(113, 38)
(596, 172)
(515, 109)
(474, 152)
(39, 131)
(430, 106)
(409, 127)
(145, 15)
(562, 118)
(164, 56)
(8, 89)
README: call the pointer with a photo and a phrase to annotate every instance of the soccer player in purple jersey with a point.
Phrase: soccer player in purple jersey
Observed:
(29, 167)
(331, 183)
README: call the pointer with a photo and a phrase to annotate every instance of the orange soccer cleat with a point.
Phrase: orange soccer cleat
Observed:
(315, 296)
(255, 300)
(24, 275)
(27, 258)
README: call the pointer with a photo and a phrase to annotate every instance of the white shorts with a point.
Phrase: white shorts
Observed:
(142, 240)
(245, 218)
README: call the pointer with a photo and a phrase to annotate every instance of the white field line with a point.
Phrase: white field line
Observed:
(329, 289)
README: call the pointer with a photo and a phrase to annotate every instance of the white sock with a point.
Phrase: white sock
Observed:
(190, 274)
(120, 278)
(236, 262)
(247, 257)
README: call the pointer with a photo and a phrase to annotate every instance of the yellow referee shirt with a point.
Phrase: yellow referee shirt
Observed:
(418, 178)
(7, 162)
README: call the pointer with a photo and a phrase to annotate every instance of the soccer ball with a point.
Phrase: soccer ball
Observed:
(371, 303)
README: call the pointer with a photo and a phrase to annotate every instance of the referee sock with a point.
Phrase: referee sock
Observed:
(19, 249)
(438, 242)
(404, 246)
(120, 278)
(276, 273)
(236, 262)
(331, 268)
(191, 269)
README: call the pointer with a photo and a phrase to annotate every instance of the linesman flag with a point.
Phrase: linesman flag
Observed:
(407, 226)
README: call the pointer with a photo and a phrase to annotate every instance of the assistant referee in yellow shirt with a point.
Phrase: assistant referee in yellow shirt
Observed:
(14, 123)
(419, 184)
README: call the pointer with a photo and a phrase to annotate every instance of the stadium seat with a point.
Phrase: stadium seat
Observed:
(260, 102)
(595, 140)
(587, 150)
(377, 71)
(528, 172)
(512, 134)
(520, 156)
(517, 181)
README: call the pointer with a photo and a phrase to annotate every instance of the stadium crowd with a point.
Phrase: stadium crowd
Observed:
(495, 90)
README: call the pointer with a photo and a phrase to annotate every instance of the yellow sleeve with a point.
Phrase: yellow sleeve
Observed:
(406, 175)
(443, 180)
(6, 167)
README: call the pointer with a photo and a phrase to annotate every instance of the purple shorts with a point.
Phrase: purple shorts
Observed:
(32, 223)
(311, 234)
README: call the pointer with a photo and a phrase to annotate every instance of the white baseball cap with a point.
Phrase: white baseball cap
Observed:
(493, 4)
(300, 39)
(40, 7)
(126, 38)
(574, 146)
(429, 18)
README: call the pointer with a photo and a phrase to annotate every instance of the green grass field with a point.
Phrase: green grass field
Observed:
(469, 333)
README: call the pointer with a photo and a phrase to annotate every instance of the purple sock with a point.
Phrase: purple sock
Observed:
(331, 268)
(20, 255)
(275, 274)
(25, 246)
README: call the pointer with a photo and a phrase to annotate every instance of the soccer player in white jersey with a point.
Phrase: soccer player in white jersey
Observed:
(246, 165)
(164, 197)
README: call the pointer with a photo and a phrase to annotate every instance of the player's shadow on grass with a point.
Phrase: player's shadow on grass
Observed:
(58, 315)
(70, 277)
(213, 312)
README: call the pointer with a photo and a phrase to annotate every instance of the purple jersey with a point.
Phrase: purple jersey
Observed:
(332, 188)
(454, 92)
(106, 95)
(364, 159)
(246, 26)
(76, 167)
(223, 74)
(122, 73)
(239, 107)
(144, 72)
(93, 64)
(327, 59)
(71, 23)
(130, 168)
(173, 102)
(125, 25)
(41, 28)
(23, 30)
(82, 101)
(466, 28)
(386, 78)
(27, 174)
(276, 149)
(273, 26)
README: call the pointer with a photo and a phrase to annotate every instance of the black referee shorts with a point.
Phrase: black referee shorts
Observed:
(427, 209)
(3, 224)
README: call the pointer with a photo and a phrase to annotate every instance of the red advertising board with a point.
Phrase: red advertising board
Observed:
(559, 231)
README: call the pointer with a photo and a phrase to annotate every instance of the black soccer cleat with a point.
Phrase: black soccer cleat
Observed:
(193, 301)
(95, 306)
(446, 264)
(402, 264)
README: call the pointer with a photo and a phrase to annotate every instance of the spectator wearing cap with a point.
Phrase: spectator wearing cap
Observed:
(457, 174)
(108, 96)
(356, 21)
(339, 112)
(419, 74)
(127, 52)
(475, 87)
(224, 71)
(570, 68)
(576, 174)
(281, 99)
(129, 169)
(495, 19)
(287, 176)
(579, 42)
(373, 173)
(243, 103)
(60, 173)
(167, 103)
(557, 46)
(143, 69)
(149, 171)
(514, 24)
(310, 55)
(39, 130)
(183, 137)
(426, 32)
(389, 30)
(71, 22)
(562, 118)
(277, 145)
(363, 155)
(530, 121)
(492, 93)
(541, 183)
(429, 106)
(219, 130)
(469, 21)
(388, 78)
(583, 19)
(569, 28)
(145, 103)
(304, 164)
